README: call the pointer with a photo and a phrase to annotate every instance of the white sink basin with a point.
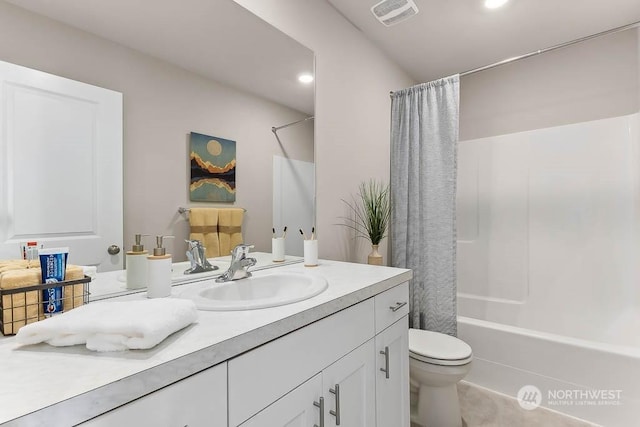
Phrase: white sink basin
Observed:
(268, 290)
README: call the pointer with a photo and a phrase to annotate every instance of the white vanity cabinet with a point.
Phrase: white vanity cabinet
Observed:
(333, 364)
(199, 400)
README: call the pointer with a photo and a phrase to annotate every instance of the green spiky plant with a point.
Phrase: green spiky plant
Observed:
(371, 211)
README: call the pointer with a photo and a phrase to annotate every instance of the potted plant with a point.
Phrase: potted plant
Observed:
(371, 210)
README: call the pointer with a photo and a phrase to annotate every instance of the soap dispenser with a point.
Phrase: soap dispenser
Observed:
(137, 264)
(159, 271)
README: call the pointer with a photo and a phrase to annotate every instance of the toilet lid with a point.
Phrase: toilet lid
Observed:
(434, 345)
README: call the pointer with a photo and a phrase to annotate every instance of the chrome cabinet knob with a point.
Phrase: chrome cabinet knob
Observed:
(113, 250)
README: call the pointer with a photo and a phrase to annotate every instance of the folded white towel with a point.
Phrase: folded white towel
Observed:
(113, 326)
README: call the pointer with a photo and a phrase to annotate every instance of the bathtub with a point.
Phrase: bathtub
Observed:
(548, 229)
(599, 383)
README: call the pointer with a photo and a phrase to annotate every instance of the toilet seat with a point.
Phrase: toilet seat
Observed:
(438, 349)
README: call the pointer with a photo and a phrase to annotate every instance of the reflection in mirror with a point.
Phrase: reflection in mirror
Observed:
(214, 68)
(113, 283)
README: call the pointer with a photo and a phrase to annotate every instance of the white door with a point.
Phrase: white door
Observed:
(349, 389)
(298, 408)
(60, 167)
(392, 375)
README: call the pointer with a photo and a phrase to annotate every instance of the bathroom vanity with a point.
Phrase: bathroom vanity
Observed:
(342, 354)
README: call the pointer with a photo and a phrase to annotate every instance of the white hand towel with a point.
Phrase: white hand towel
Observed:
(113, 326)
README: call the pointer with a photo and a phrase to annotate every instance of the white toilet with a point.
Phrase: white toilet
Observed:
(436, 363)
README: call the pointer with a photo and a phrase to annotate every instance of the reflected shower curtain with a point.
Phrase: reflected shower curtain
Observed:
(424, 137)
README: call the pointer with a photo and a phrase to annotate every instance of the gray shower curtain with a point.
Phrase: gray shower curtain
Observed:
(424, 137)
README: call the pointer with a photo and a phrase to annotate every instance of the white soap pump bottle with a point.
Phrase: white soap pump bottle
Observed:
(159, 271)
(137, 264)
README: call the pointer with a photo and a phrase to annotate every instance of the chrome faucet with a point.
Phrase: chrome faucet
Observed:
(239, 264)
(197, 258)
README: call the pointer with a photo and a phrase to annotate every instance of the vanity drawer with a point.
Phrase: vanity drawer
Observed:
(263, 375)
(391, 305)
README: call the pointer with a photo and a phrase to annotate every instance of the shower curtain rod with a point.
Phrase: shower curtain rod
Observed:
(549, 49)
(275, 129)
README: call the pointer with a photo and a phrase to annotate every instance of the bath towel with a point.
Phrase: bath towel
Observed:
(230, 229)
(113, 326)
(18, 264)
(204, 227)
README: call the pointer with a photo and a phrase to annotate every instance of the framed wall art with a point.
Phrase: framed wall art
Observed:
(213, 169)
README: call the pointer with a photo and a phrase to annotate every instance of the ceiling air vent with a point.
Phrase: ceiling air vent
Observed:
(391, 12)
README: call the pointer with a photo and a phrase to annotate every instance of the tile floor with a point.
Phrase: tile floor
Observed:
(481, 407)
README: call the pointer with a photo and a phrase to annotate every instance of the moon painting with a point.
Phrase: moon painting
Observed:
(213, 169)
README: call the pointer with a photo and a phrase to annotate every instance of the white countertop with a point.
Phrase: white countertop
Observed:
(45, 385)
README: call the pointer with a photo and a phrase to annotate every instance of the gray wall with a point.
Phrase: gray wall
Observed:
(595, 79)
(162, 104)
(353, 80)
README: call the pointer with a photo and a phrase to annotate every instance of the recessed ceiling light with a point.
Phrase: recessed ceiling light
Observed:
(305, 78)
(494, 4)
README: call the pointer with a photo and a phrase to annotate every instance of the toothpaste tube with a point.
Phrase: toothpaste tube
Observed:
(53, 263)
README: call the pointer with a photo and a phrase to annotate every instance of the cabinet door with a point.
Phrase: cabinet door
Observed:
(298, 408)
(392, 375)
(200, 400)
(349, 389)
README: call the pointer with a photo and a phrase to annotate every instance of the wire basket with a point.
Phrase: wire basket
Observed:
(21, 306)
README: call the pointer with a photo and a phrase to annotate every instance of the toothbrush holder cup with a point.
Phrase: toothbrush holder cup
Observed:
(310, 253)
(277, 249)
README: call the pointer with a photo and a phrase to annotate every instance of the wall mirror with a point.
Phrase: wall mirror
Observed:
(204, 66)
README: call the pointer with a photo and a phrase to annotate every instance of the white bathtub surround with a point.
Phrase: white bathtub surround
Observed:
(73, 384)
(549, 229)
(507, 358)
(424, 137)
(113, 325)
